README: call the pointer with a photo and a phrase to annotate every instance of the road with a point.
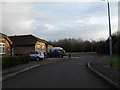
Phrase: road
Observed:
(65, 73)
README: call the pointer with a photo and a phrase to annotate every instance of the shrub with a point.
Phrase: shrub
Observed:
(9, 61)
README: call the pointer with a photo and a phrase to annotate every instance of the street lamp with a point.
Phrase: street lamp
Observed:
(110, 36)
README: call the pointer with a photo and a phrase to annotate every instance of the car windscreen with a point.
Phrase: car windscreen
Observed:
(32, 52)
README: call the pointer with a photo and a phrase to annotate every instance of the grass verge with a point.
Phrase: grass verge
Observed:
(81, 52)
(115, 61)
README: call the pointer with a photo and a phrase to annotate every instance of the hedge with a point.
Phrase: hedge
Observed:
(9, 61)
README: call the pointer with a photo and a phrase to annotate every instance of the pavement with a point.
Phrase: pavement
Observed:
(106, 72)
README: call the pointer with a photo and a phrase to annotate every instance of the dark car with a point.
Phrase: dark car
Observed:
(59, 53)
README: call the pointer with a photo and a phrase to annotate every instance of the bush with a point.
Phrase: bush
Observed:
(9, 61)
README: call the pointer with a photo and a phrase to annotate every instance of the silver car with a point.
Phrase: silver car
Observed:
(36, 55)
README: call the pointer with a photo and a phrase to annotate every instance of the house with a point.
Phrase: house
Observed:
(5, 45)
(23, 44)
(49, 47)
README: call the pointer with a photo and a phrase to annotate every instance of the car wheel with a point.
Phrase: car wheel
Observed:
(37, 58)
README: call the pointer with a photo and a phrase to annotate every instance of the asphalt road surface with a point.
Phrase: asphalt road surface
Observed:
(65, 73)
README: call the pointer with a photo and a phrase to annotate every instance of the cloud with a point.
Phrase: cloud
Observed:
(16, 18)
(49, 27)
(57, 0)
(53, 21)
(88, 21)
(0, 17)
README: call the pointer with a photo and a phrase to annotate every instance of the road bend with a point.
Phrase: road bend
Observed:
(65, 73)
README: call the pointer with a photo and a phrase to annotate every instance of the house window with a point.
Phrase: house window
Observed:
(43, 48)
(38, 48)
(2, 48)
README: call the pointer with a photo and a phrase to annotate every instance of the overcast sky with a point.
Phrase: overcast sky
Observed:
(58, 20)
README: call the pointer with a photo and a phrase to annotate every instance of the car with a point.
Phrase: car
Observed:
(60, 53)
(36, 55)
(57, 53)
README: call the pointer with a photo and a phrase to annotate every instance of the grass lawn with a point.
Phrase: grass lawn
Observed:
(81, 52)
(77, 54)
(115, 61)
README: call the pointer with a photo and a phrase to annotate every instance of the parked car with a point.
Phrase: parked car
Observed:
(35, 55)
(57, 53)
